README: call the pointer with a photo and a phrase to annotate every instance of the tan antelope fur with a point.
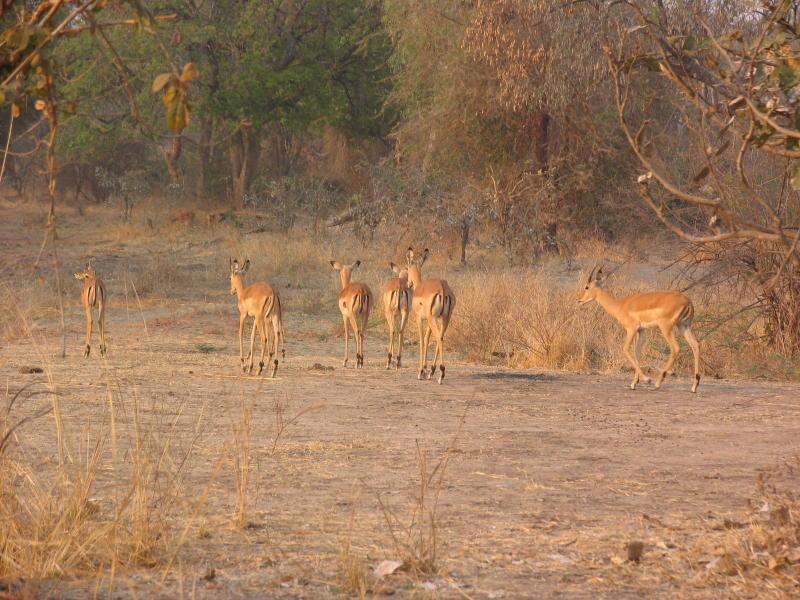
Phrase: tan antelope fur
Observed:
(396, 305)
(260, 301)
(666, 310)
(355, 302)
(432, 302)
(93, 295)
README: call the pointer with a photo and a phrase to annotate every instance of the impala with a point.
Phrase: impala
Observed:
(666, 310)
(260, 301)
(355, 301)
(396, 304)
(93, 295)
(433, 301)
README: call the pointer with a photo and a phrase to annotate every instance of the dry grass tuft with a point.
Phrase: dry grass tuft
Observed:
(531, 321)
(241, 461)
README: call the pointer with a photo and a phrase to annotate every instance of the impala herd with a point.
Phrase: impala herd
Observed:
(432, 302)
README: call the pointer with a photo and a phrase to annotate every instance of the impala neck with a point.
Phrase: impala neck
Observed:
(608, 302)
(237, 282)
(344, 276)
(414, 277)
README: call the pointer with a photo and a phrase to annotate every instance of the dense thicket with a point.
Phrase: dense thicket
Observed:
(525, 121)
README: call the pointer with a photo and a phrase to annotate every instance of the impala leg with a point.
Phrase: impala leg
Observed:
(403, 320)
(241, 343)
(361, 331)
(262, 330)
(390, 324)
(439, 332)
(435, 330)
(88, 348)
(251, 354)
(346, 336)
(425, 350)
(626, 350)
(101, 322)
(358, 337)
(421, 370)
(695, 346)
(637, 351)
(277, 334)
(669, 335)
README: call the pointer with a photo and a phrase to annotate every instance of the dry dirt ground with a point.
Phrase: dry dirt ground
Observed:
(548, 478)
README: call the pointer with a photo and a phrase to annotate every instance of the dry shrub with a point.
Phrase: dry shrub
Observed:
(759, 555)
(162, 277)
(25, 301)
(282, 254)
(533, 321)
(50, 523)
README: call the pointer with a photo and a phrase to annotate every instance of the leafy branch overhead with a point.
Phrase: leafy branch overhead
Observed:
(741, 94)
(176, 96)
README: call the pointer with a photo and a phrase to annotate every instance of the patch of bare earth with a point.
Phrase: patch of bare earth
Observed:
(548, 479)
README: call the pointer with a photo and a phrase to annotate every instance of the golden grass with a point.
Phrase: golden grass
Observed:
(527, 320)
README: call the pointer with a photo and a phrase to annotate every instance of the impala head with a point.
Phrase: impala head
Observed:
(237, 273)
(401, 273)
(87, 273)
(414, 264)
(345, 271)
(591, 286)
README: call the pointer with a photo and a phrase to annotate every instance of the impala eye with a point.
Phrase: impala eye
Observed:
(586, 288)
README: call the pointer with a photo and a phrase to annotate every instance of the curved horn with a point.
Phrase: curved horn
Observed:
(591, 273)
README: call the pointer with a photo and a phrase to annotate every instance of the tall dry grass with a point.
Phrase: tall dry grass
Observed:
(527, 319)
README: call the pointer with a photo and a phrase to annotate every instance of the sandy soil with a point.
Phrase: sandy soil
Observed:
(549, 476)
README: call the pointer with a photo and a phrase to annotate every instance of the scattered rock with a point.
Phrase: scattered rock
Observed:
(319, 367)
(635, 550)
(428, 586)
(30, 370)
(387, 567)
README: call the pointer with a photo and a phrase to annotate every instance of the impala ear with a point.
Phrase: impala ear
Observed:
(395, 269)
(599, 276)
(409, 256)
(355, 265)
(80, 275)
(336, 265)
(425, 254)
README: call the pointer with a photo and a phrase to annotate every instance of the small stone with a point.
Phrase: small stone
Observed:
(635, 550)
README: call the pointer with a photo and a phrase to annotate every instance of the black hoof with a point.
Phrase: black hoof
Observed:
(433, 372)
(441, 373)
(260, 367)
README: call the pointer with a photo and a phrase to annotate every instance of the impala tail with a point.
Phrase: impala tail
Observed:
(442, 305)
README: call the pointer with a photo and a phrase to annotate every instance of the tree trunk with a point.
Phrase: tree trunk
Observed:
(204, 150)
(541, 141)
(171, 157)
(238, 169)
(465, 225)
(245, 150)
